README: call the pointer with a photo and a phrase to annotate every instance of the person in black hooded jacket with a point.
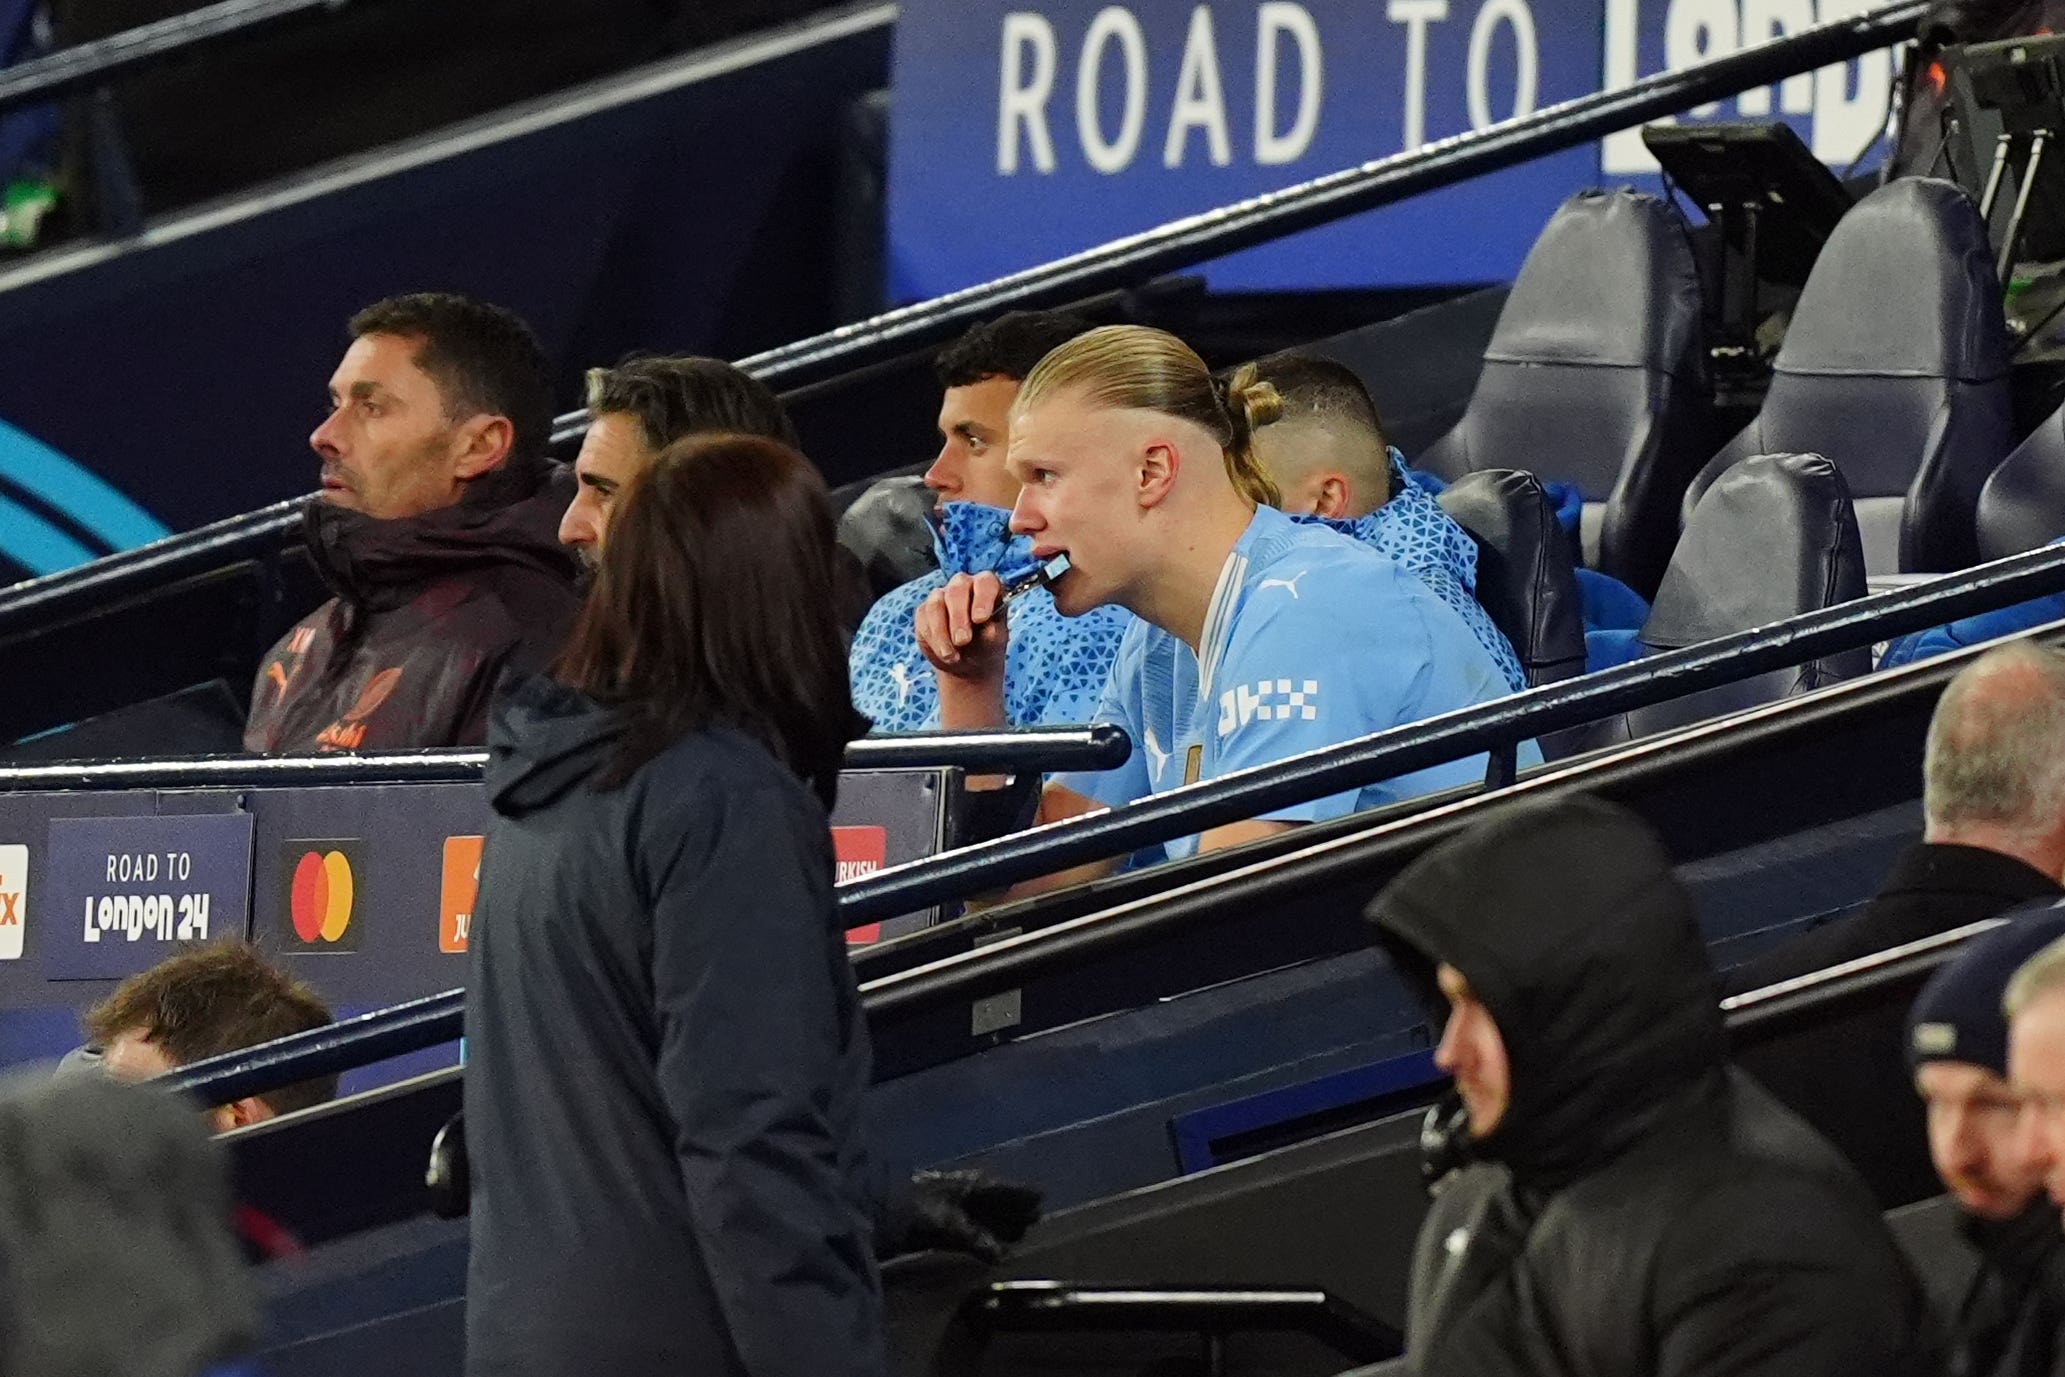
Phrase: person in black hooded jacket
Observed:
(1630, 1205)
(665, 1051)
(436, 530)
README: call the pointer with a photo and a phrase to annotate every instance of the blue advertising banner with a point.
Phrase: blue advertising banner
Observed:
(1028, 130)
(118, 895)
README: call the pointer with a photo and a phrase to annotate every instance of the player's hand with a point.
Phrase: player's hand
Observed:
(963, 629)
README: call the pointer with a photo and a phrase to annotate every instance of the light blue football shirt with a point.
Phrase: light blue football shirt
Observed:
(1312, 639)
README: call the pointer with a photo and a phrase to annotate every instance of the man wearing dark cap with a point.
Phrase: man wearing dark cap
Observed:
(1957, 1041)
(1627, 1203)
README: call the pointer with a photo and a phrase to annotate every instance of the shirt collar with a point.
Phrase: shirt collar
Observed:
(1233, 576)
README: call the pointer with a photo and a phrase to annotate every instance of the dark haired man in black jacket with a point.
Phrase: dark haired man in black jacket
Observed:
(437, 531)
(1631, 1205)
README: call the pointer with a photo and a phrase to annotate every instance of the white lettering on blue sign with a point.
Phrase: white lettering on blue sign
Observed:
(135, 917)
(1029, 55)
(1242, 97)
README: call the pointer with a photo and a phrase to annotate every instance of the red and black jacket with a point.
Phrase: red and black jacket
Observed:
(429, 611)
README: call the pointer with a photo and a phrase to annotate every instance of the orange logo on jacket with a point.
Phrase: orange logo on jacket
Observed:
(348, 732)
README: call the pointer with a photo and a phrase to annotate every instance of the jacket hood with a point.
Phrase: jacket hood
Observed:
(1570, 926)
(544, 739)
(377, 564)
(971, 538)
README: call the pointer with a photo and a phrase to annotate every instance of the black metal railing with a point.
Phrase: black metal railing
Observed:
(1213, 1312)
(104, 59)
(31, 605)
(439, 1019)
(1200, 238)
(1120, 263)
(961, 976)
(1030, 750)
(1491, 727)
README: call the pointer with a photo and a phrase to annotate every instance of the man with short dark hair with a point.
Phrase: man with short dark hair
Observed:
(201, 1004)
(2009, 1318)
(1057, 666)
(643, 405)
(1328, 455)
(1627, 1204)
(435, 528)
(1993, 818)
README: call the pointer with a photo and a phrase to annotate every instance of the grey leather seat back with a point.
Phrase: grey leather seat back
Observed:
(1773, 538)
(1596, 377)
(1895, 367)
(1525, 578)
(2022, 506)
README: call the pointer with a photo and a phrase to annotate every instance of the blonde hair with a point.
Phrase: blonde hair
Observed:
(2035, 978)
(1136, 368)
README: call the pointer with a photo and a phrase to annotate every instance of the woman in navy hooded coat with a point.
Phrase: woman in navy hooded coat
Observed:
(666, 1054)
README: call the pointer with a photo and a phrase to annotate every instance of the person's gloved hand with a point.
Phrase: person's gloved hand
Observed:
(967, 1212)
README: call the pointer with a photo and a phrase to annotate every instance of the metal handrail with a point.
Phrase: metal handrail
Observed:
(1494, 726)
(26, 606)
(1068, 1307)
(92, 64)
(1033, 749)
(1212, 234)
(1179, 244)
(439, 1018)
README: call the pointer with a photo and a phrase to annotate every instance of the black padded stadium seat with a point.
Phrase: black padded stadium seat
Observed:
(887, 530)
(1774, 538)
(1596, 376)
(1895, 366)
(2022, 505)
(1524, 574)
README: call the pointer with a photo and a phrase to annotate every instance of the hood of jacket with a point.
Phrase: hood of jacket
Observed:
(971, 538)
(374, 564)
(1570, 926)
(545, 739)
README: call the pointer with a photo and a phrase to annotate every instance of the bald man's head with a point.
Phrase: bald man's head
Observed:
(1994, 773)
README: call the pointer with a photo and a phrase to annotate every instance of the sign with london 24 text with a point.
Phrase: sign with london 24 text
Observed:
(118, 895)
(1023, 130)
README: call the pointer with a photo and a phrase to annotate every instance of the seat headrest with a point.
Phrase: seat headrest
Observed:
(1775, 536)
(2022, 506)
(1526, 578)
(1610, 282)
(1905, 287)
(887, 529)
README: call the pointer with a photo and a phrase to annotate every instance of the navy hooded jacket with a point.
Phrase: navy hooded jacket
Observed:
(665, 1063)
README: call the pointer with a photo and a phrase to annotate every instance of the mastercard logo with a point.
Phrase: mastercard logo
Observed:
(322, 891)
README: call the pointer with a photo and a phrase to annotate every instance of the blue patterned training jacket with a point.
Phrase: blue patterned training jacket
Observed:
(1414, 530)
(1056, 666)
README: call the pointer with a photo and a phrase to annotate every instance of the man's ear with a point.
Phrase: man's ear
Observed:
(1155, 472)
(1335, 498)
(241, 1113)
(484, 442)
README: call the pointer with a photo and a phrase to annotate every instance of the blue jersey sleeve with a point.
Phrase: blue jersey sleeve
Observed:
(1304, 674)
(1119, 705)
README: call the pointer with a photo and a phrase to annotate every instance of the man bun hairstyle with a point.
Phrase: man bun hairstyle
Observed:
(1139, 368)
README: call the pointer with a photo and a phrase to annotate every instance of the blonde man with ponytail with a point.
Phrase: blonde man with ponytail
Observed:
(1259, 637)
